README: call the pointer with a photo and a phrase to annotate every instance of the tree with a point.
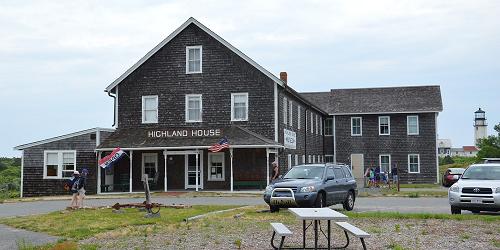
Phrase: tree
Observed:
(490, 146)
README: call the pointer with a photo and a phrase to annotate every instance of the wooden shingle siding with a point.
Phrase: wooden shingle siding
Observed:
(33, 182)
(398, 144)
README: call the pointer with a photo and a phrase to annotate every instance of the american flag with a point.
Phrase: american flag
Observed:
(222, 144)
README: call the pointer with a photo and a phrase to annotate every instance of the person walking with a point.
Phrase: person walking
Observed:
(276, 171)
(394, 171)
(377, 176)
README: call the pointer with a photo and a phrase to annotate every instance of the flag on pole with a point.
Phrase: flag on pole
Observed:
(110, 159)
(222, 144)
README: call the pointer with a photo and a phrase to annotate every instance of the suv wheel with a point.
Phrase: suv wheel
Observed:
(348, 204)
(320, 200)
(455, 210)
(274, 209)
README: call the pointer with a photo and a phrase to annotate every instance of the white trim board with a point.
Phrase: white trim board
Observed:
(62, 137)
(192, 147)
(191, 20)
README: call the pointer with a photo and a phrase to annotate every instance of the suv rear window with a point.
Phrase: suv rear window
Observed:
(338, 173)
(347, 172)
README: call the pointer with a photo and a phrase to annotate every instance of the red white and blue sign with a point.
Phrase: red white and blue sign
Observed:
(112, 158)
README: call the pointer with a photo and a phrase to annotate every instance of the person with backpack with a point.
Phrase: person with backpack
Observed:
(74, 183)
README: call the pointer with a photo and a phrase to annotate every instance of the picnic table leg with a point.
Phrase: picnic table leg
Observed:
(329, 235)
(315, 234)
(304, 234)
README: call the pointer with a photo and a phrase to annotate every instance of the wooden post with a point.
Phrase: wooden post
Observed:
(165, 179)
(232, 180)
(130, 178)
(197, 169)
(267, 166)
(146, 189)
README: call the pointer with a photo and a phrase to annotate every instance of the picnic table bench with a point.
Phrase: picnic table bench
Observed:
(281, 230)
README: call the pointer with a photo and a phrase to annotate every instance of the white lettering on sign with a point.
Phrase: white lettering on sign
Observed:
(184, 133)
(290, 139)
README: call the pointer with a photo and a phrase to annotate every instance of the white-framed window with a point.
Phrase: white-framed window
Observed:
(285, 111)
(356, 126)
(150, 109)
(194, 108)
(385, 163)
(314, 158)
(239, 107)
(289, 161)
(194, 59)
(59, 164)
(312, 123)
(150, 165)
(413, 163)
(329, 127)
(298, 117)
(412, 125)
(290, 111)
(384, 125)
(329, 158)
(296, 160)
(309, 159)
(317, 124)
(216, 166)
(321, 125)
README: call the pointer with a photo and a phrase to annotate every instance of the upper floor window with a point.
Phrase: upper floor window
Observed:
(59, 164)
(413, 163)
(193, 108)
(329, 126)
(239, 107)
(412, 124)
(312, 123)
(285, 110)
(356, 126)
(150, 109)
(193, 59)
(298, 117)
(290, 107)
(384, 124)
(317, 124)
(321, 125)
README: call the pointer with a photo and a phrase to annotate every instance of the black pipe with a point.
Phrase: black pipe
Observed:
(114, 108)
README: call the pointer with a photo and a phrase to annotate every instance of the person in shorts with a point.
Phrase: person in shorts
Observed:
(74, 183)
(81, 188)
(394, 172)
(377, 176)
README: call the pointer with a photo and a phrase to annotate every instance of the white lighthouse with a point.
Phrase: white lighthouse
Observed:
(480, 126)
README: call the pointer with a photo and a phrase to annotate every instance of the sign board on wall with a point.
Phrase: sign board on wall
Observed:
(290, 139)
(184, 133)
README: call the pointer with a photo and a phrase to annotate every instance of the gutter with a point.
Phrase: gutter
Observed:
(114, 108)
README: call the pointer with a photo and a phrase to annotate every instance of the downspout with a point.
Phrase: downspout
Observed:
(114, 108)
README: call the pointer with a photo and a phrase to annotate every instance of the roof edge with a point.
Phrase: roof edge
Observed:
(62, 137)
(191, 20)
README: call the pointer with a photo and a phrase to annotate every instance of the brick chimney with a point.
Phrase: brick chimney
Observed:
(284, 77)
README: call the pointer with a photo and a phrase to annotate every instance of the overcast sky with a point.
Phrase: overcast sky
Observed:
(56, 57)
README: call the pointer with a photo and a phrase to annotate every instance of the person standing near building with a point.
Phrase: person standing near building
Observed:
(81, 188)
(377, 176)
(74, 183)
(394, 172)
(276, 171)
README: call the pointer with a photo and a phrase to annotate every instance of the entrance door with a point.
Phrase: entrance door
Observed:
(358, 169)
(191, 171)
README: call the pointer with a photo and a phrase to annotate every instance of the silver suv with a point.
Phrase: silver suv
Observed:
(478, 189)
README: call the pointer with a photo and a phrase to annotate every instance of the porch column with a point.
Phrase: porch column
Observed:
(197, 169)
(165, 180)
(99, 155)
(231, 156)
(267, 166)
(130, 179)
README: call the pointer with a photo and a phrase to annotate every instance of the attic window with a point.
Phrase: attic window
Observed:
(92, 136)
(193, 59)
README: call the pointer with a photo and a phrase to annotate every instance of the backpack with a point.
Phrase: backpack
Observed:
(69, 183)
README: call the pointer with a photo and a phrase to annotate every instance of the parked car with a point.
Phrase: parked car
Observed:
(451, 175)
(477, 190)
(313, 185)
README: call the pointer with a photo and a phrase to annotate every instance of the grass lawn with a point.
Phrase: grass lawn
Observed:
(411, 194)
(80, 224)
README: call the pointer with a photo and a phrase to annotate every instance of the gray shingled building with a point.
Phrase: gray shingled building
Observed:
(195, 88)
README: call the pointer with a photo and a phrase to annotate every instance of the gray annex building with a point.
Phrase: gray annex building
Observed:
(195, 88)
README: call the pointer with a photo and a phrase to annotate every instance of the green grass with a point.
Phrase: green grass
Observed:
(81, 224)
(403, 185)
(397, 215)
(496, 243)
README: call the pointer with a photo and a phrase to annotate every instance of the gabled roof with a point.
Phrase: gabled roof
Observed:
(191, 20)
(470, 148)
(412, 99)
(62, 137)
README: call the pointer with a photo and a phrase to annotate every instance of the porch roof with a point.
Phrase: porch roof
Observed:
(180, 138)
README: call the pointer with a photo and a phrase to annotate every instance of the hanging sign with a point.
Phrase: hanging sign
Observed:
(290, 139)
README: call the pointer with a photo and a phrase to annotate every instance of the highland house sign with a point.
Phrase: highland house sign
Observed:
(184, 133)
